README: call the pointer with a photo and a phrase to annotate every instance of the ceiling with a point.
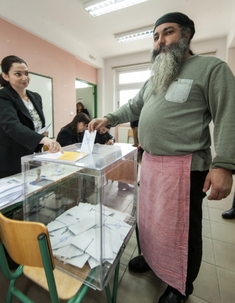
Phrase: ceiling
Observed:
(65, 24)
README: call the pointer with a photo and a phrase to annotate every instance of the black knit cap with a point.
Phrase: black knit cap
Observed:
(178, 18)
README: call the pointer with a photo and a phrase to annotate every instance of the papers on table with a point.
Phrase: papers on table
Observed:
(81, 226)
(55, 225)
(10, 189)
(63, 240)
(67, 156)
(77, 237)
(118, 226)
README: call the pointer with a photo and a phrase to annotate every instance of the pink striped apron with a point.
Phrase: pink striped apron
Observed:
(164, 216)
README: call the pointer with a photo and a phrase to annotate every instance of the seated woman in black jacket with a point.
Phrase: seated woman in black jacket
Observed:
(73, 132)
(103, 136)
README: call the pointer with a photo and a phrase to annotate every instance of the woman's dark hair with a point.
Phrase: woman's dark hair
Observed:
(6, 65)
(81, 117)
(81, 104)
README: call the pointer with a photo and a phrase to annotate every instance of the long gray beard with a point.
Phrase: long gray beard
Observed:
(167, 66)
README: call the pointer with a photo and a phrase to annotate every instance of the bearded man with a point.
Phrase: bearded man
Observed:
(174, 108)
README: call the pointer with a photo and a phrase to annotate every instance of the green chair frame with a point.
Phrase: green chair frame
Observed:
(48, 264)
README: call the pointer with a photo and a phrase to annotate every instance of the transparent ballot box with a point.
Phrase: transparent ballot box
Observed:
(87, 202)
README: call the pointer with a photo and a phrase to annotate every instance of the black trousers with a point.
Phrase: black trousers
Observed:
(195, 229)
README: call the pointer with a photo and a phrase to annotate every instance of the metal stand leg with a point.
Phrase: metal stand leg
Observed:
(137, 237)
(108, 294)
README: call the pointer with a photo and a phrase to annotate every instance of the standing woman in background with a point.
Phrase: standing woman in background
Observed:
(82, 109)
(21, 117)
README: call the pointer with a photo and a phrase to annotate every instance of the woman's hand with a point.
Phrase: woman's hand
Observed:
(52, 145)
(109, 142)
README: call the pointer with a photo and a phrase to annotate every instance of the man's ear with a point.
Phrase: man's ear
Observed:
(188, 35)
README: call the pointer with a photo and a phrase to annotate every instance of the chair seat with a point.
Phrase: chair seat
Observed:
(67, 285)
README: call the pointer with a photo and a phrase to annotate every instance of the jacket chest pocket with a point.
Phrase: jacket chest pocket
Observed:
(179, 90)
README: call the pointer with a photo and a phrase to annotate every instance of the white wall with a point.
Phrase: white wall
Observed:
(44, 85)
(231, 59)
(215, 45)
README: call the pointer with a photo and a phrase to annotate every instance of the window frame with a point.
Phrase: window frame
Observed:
(136, 85)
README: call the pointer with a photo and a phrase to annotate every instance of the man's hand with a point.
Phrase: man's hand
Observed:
(97, 123)
(220, 181)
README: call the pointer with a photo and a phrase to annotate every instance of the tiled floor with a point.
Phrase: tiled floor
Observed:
(215, 283)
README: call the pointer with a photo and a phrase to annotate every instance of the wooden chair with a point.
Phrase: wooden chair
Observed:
(28, 243)
(129, 135)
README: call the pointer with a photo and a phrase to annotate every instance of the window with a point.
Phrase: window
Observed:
(126, 94)
(129, 80)
(134, 77)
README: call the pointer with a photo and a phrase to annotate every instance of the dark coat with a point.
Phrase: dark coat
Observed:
(134, 123)
(85, 111)
(67, 137)
(103, 138)
(17, 134)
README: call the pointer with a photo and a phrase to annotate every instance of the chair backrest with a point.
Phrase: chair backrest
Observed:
(129, 134)
(20, 239)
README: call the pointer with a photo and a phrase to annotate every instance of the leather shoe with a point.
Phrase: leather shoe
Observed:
(170, 297)
(229, 214)
(138, 264)
(124, 186)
